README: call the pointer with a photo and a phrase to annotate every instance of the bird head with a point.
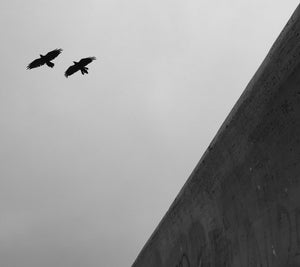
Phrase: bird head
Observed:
(75, 62)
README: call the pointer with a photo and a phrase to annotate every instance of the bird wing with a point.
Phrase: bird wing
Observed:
(87, 60)
(72, 69)
(36, 63)
(53, 54)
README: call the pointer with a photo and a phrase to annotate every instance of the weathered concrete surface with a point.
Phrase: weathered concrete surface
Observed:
(241, 205)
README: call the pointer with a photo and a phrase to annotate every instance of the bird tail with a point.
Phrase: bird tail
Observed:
(50, 64)
(84, 70)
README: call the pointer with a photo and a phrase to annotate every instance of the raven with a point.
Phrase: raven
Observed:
(81, 65)
(45, 59)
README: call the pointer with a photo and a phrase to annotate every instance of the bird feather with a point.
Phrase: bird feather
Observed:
(86, 61)
(53, 54)
(72, 69)
(36, 63)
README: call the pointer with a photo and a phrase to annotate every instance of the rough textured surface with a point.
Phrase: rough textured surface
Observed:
(241, 205)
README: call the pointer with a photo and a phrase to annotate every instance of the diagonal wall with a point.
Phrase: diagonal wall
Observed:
(241, 205)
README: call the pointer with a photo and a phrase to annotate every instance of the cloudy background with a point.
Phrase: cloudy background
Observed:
(90, 164)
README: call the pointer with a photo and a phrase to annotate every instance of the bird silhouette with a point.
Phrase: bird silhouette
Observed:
(81, 65)
(46, 59)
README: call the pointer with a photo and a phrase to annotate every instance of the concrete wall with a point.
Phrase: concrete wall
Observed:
(241, 205)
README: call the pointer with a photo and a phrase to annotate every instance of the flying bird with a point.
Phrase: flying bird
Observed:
(46, 59)
(81, 65)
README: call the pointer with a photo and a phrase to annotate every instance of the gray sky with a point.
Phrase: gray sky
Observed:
(90, 164)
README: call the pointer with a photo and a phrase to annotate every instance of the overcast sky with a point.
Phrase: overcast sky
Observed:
(90, 164)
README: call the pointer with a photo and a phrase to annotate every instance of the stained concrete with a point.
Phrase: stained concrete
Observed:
(241, 205)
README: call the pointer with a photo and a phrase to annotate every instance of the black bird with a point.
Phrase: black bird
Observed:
(81, 65)
(45, 59)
